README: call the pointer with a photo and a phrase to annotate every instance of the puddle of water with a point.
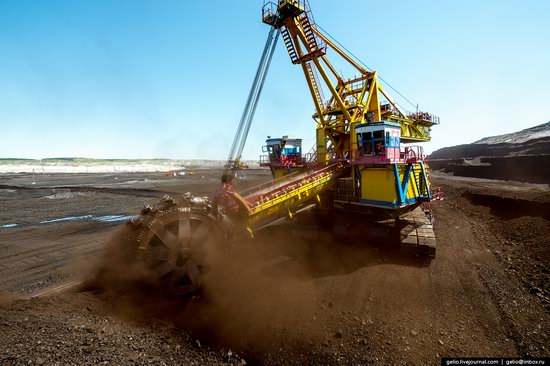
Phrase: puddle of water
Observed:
(68, 218)
(106, 218)
(113, 218)
(66, 195)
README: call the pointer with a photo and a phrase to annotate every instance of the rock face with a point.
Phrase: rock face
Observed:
(521, 156)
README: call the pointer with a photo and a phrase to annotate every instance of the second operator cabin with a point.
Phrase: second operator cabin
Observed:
(379, 139)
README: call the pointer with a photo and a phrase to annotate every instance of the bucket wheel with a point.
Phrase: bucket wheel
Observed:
(176, 241)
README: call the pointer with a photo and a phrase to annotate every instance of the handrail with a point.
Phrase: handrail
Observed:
(269, 9)
(288, 179)
(412, 154)
(294, 188)
(423, 116)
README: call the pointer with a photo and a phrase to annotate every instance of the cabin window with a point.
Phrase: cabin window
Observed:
(387, 138)
(275, 150)
(365, 140)
(367, 147)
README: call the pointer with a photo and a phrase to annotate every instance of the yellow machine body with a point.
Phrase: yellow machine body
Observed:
(381, 187)
(358, 124)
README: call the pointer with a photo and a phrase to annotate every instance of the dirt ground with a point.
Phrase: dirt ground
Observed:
(278, 299)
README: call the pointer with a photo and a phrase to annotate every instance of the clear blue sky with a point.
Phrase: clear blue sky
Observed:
(147, 79)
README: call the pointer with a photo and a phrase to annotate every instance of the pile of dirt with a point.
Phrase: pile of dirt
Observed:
(519, 223)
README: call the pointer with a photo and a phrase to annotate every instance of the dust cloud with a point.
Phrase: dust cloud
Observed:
(262, 294)
(118, 271)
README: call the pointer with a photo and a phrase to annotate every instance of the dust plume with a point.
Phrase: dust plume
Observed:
(262, 295)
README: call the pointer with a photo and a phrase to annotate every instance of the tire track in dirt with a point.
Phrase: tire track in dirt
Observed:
(16, 277)
(473, 308)
(77, 229)
(52, 254)
(499, 288)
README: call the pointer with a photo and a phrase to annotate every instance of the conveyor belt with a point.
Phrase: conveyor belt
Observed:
(282, 197)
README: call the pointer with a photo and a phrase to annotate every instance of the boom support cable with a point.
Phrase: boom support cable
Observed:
(362, 63)
(243, 129)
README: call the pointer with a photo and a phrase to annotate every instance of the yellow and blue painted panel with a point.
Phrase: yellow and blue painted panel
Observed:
(394, 185)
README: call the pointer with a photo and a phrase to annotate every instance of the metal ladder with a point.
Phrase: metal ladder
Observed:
(289, 44)
(315, 83)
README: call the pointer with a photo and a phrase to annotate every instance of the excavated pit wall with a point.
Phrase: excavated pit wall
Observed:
(529, 169)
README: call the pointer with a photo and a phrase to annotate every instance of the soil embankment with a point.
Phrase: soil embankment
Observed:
(522, 157)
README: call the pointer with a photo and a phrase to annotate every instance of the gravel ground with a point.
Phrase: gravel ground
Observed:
(282, 300)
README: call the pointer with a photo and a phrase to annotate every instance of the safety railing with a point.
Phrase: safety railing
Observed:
(310, 158)
(423, 116)
(285, 160)
(297, 3)
(413, 154)
(355, 85)
(265, 160)
(280, 183)
(408, 154)
(271, 8)
(274, 201)
(269, 12)
(387, 107)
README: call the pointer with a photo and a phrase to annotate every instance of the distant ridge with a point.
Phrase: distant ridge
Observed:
(87, 165)
(79, 160)
(519, 137)
(520, 156)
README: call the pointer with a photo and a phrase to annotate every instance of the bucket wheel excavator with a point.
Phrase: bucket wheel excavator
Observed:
(363, 171)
